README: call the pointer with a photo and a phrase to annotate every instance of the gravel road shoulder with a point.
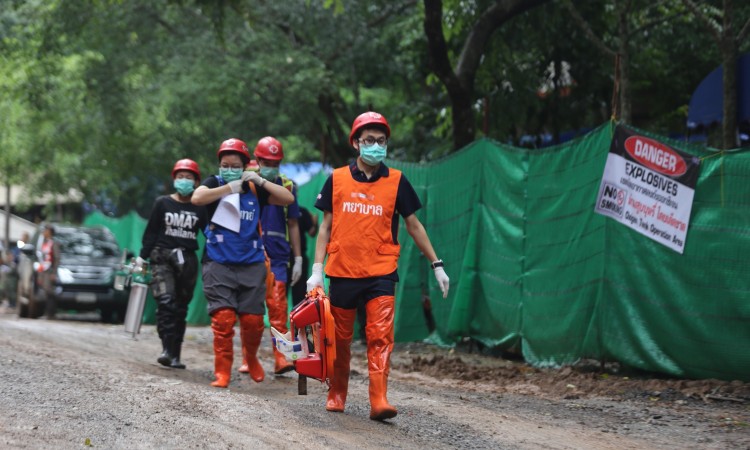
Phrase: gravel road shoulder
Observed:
(73, 384)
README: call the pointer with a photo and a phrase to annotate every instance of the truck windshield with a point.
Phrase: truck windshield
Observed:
(86, 242)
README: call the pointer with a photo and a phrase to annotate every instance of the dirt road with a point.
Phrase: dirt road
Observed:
(73, 384)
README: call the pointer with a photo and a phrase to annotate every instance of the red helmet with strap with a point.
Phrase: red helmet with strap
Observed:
(369, 118)
(234, 146)
(189, 165)
(269, 148)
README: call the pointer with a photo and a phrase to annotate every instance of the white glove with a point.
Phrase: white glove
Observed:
(249, 175)
(139, 262)
(296, 270)
(443, 280)
(236, 185)
(316, 279)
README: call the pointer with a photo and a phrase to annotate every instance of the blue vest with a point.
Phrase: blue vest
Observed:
(274, 223)
(275, 233)
(246, 247)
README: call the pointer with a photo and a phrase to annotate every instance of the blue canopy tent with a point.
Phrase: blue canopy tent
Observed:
(707, 103)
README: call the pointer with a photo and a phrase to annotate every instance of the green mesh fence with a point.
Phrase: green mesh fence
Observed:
(533, 267)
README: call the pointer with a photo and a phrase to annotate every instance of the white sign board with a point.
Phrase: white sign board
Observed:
(649, 187)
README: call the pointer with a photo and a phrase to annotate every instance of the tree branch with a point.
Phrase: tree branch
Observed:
(583, 25)
(743, 33)
(488, 23)
(704, 18)
(398, 9)
(437, 48)
(655, 22)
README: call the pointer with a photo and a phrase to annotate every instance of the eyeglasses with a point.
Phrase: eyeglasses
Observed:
(269, 163)
(369, 140)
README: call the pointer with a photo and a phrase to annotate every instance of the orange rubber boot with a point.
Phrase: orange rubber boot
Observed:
(277, 317)
(344, 319)
(222, 324)
(245, 368)
(379, 332)
(251, 333)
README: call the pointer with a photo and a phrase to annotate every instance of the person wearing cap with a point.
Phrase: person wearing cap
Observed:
(361, 206)
(280, 228)
(169, 243)
(234, 269)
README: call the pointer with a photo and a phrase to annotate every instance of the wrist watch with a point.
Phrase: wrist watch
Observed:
(437, 263)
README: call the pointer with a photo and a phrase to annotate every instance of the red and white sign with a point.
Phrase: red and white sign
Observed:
(649, 187)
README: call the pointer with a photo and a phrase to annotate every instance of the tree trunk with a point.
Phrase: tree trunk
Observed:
(729, 93)
(463, 119)
(729, 53)
(459, 82)
(335, 149)
(729, 49)
(626, 112)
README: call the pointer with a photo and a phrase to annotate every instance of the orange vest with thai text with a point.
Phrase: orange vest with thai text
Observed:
(361, 243)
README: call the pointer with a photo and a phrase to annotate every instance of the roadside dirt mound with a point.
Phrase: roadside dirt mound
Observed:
(584, 380)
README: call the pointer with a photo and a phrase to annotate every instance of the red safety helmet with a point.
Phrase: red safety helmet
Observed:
(269, 148)
(189, 165)
(252, 165)
(369, 118)
(234, 146)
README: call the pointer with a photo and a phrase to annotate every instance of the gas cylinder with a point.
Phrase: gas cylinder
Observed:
(141, 277)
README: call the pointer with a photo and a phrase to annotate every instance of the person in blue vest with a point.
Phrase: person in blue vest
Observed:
(234, 270)
(281, 240)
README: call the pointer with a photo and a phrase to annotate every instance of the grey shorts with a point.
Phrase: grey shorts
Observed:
(242, 288)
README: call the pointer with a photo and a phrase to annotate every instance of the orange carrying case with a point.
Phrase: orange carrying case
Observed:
(312, 322)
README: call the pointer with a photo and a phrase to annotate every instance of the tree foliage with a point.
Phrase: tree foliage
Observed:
(102, 96)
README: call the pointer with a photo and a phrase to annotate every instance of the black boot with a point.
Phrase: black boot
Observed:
(165, 359)
(176, 350)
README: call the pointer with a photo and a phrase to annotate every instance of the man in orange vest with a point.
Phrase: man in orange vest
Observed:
(361, 205)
